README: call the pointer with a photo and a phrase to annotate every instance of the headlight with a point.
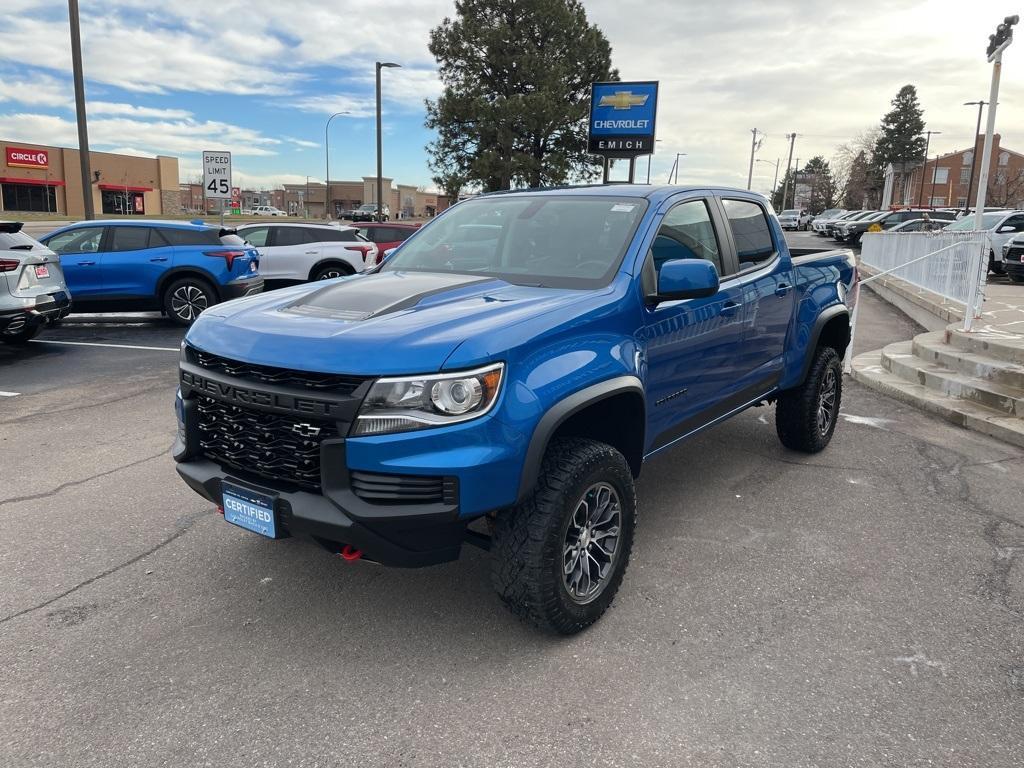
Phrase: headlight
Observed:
(405, 403)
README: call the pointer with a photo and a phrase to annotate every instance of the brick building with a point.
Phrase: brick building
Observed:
(45, 179)
(947, 178)
(346, 195)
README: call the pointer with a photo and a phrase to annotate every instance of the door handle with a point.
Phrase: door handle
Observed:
(782, 289)
(311, 253)
(87, 263)
(159, 258)
(729, 308)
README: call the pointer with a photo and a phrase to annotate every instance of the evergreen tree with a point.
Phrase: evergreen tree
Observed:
(516, 97)
(818, 175)
(900, 141)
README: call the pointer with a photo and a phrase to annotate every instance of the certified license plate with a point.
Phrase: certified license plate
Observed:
(250, 510)
(42, 271)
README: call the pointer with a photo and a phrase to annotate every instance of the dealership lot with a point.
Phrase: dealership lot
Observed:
(861, 606)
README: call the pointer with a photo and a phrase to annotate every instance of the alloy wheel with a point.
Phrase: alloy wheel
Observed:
(827, 401)
(591, 546)
(188, 301)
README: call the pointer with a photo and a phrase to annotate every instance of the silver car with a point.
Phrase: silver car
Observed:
(32, 287)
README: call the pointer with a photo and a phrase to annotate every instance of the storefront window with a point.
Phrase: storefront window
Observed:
(29, 197)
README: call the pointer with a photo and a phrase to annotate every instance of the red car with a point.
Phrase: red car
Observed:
(386, 234)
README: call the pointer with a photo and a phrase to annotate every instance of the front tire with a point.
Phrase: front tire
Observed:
(805, 417)
(186, 298)
(560, 556)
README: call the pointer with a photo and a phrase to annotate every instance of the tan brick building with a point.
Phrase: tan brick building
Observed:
(346, 195)
(45, 179)
(947, 178)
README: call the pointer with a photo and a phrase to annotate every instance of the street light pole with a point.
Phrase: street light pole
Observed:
(380, 169)
(974, 152)
(753, 149)
(924, 168)
(656, 141)
(775, 181)
(327, 161)
(83, 130)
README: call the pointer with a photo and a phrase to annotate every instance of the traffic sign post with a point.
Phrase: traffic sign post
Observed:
(217, 178)
(622, 117)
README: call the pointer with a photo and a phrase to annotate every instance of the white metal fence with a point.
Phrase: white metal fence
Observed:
(947, 263)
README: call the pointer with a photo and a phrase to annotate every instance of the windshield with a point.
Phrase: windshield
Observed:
(543, 240)
(790, 212)
(830, 212)
(367, 207)
(18, 241)
(988, 221)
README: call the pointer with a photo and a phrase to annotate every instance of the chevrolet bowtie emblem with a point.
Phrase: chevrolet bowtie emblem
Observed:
(623, 100)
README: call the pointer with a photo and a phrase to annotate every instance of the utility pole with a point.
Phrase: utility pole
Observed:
(974, 153)
(789, 162)
(83, 130)
(753, 148)
(380, 172)
(924, 168)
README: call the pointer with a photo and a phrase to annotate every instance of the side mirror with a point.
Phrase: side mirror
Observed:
(687, 279)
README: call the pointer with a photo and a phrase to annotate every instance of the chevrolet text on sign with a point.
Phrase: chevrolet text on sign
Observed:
(622, 118)
(27, 158)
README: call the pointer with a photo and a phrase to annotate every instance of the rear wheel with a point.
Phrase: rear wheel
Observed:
(330, 271)
(560, 556)
(186, 298)
(995, 267)
(23, 336)
(805, 417)
(1015, 277)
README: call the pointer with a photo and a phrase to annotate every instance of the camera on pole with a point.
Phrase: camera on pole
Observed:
(1003, 36)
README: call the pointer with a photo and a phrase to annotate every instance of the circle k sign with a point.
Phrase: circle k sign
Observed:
(23, 157)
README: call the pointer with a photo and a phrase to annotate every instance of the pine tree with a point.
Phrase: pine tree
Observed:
(516, 97)
(900, 141)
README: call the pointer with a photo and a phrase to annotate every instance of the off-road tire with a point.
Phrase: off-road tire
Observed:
(529, 540)
(188, 286)
(797, 409)
(24, 336)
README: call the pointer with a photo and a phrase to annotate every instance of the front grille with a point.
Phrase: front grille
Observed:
(283, 448)
(404, 489)
(335, 383)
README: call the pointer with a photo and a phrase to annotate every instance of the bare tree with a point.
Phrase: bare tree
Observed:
(1006, 189)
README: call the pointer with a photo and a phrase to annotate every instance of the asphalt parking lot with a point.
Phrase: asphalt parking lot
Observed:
(859, 607)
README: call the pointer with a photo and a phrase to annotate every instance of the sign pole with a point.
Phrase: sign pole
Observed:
(632, 167)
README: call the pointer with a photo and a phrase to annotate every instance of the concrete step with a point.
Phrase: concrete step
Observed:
(899, 360)
(989, 342)
(869, 370)
(932, 348)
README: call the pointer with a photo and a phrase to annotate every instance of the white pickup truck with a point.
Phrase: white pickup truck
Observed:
(267, 210)
(794, 218)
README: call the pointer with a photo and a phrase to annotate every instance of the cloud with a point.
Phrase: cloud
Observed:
(39, 91)
(356, 106)
(112, 108)
(303, 143)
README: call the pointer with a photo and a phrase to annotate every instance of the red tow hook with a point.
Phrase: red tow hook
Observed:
(350, 553)
(220, 509)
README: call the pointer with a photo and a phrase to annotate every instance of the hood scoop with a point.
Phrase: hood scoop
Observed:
(360, 298)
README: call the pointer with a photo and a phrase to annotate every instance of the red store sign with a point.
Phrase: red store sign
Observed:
(22, 157)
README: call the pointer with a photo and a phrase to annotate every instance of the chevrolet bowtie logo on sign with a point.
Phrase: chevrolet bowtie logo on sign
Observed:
(624, 100)
(622, 118)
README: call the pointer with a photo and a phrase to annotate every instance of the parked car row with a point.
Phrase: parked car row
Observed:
(178, 268)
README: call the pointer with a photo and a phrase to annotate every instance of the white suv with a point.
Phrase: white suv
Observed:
(295, 253)
(267, 210)
(795, 219)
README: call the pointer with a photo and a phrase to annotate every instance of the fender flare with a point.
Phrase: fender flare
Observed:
(826, 315)
(556, 415)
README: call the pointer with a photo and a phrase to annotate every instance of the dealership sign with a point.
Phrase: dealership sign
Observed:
(622, 118)
(22, 157)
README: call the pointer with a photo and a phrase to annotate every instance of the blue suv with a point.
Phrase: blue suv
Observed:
(177, 267)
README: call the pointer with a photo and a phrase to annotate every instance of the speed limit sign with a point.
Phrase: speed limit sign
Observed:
(217, 175)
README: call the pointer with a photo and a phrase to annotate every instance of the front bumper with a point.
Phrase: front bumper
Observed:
(49, 307)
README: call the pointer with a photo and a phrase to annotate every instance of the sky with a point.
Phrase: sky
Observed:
(260, 78)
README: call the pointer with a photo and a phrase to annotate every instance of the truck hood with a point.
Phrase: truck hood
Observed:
(379, 324)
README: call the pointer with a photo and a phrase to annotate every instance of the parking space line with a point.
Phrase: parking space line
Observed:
(99, 344)
(9, 394)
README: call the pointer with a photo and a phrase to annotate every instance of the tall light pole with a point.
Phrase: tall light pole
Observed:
(656, 141)
(327, 161)
(380, 168)
(924, 168)
(974, 152)
(675, 169)
(775, 181)
(753, 148)
(789, 162)
(83, 130)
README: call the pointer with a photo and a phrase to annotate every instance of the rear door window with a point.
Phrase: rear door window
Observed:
(291, 236)
(190, 236)
(129, 238)
(751, 233)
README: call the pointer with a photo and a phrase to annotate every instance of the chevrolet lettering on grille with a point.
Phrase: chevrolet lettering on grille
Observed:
(239, 395)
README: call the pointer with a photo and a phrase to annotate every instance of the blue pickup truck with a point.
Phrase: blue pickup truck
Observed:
(502, 378)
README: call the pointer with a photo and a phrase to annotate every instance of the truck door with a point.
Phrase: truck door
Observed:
(765, 277)
(691, 343)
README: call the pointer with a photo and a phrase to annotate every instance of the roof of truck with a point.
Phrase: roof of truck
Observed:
(653, 192)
